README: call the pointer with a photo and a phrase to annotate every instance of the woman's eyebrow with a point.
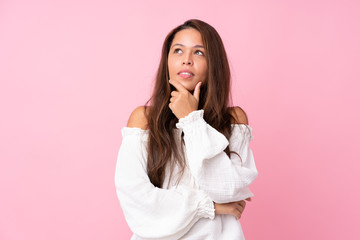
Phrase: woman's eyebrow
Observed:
(182, 45)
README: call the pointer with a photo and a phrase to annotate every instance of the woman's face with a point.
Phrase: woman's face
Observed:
(187, 58)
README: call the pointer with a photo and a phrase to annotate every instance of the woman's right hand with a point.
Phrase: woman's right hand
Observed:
(232, 208)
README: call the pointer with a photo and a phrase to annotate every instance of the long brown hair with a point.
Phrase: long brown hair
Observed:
(214, 100)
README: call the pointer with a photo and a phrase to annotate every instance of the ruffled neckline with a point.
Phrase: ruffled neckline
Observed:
(139, 131)
(133, 131)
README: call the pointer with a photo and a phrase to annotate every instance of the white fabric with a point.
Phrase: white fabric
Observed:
(186, 211)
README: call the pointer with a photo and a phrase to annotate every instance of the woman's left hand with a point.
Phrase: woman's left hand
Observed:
(182, 102)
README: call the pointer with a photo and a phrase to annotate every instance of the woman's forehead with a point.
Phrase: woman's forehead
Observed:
(188, 38)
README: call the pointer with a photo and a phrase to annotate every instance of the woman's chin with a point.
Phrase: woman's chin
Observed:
(190, 89)
(188, 85)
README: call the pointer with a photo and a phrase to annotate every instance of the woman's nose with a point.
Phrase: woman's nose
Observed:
(187, 60)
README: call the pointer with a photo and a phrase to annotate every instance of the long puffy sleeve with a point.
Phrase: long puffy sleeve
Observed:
(224, 179)
(151, 212)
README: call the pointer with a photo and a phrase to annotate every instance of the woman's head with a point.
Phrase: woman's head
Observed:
(187, 58)
(212, 68)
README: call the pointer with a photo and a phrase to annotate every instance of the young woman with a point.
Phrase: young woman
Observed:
(184, 166)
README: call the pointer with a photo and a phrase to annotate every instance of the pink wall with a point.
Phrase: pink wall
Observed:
(72, 71)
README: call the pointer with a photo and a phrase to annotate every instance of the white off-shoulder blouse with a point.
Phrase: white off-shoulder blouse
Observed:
(186, 210)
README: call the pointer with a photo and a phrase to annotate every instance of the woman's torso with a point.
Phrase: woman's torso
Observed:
(224, 227)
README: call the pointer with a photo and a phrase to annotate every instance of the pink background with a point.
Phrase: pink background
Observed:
(72, 71)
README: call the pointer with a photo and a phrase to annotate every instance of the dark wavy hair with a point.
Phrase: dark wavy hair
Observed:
(214, 100)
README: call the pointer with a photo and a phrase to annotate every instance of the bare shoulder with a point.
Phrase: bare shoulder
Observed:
(239, 116)
(138, 118)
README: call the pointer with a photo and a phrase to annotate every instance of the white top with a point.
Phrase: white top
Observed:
(186, 211)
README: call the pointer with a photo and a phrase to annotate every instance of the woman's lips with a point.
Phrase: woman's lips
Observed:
(185, 74)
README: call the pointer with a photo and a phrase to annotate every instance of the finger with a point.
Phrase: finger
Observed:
(178, 85)
(241, 209)
(197, 91)
(238, 214)
(241, 206)
(174, 93)
(172, 99)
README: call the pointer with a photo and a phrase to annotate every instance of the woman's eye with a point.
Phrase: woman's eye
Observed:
(177, 50)
(199, 52)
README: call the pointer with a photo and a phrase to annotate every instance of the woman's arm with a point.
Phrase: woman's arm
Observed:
(151, 212)
(224, 179)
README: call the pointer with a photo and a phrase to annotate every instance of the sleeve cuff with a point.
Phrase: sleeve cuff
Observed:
(191, 117)
(206, 208)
